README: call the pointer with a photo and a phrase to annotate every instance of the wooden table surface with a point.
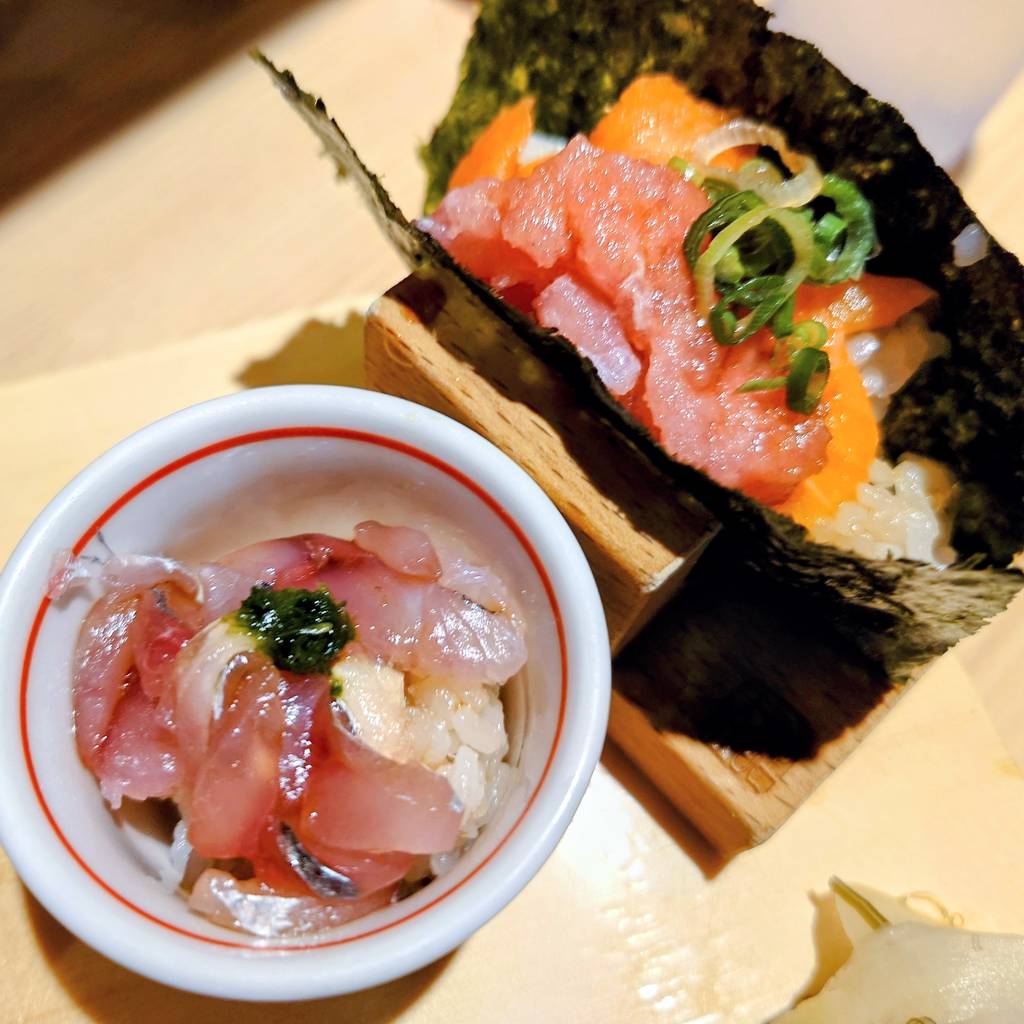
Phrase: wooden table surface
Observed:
(205, 210)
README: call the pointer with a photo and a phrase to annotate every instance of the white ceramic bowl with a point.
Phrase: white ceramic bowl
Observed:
(250, 466)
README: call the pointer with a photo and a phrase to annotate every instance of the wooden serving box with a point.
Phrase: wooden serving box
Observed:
(430, 345)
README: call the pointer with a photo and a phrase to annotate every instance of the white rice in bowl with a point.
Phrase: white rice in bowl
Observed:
(457, 732)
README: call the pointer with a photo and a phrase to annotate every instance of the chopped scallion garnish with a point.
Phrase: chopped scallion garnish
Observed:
(763, 296)
(833, 262)
(756, 256)
(807, 334)
(828, 230)
(723, 325)
(808, 375)
(782, 322)
(762, 384)
(731, 269)
(717, 216)
(685, 168)
(714, 188)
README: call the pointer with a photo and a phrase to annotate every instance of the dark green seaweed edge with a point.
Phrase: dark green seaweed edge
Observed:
(899, 614)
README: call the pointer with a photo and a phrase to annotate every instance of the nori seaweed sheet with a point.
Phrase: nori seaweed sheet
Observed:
(576, 57)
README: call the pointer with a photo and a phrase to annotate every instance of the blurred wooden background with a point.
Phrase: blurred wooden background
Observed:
(73, 71)
(153, 186)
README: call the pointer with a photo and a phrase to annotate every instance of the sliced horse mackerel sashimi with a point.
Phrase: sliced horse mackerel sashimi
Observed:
(277, 761)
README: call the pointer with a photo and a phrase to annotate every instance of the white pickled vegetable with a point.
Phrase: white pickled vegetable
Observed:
(904, 968)
(908, 970)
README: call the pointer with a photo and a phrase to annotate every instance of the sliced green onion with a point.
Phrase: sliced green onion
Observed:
(715, 187)
(755, 290)
(762, 384)
(723, 325)
(802, 240)
(762, 296)
(731, 268)
(808, 334)
(808, 375)
(685, 168)
(759, 241)
(782, 322)
(795, 226)
(827, 231)
(831, 265)
(718, 216)
(765, 250)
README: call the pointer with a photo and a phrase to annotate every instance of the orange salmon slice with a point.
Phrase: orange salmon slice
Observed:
(657, 118)
(495, 153)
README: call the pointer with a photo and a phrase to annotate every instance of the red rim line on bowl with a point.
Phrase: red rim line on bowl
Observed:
(254, 438)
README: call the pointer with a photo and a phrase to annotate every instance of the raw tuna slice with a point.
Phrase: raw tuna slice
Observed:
(400, 548)
(157, 635)
(268, 561)
(236, 787)
(423, 627)
(387, 582)
(368, 872)
(593, 328)
(103, 658)
(294, 867)
(479, 584)
(120, 572)
(197, 694)
(224, 589)
(601, 234)
(299, 704)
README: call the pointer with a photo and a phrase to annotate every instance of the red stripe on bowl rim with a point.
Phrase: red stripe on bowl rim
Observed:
(256, 437)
